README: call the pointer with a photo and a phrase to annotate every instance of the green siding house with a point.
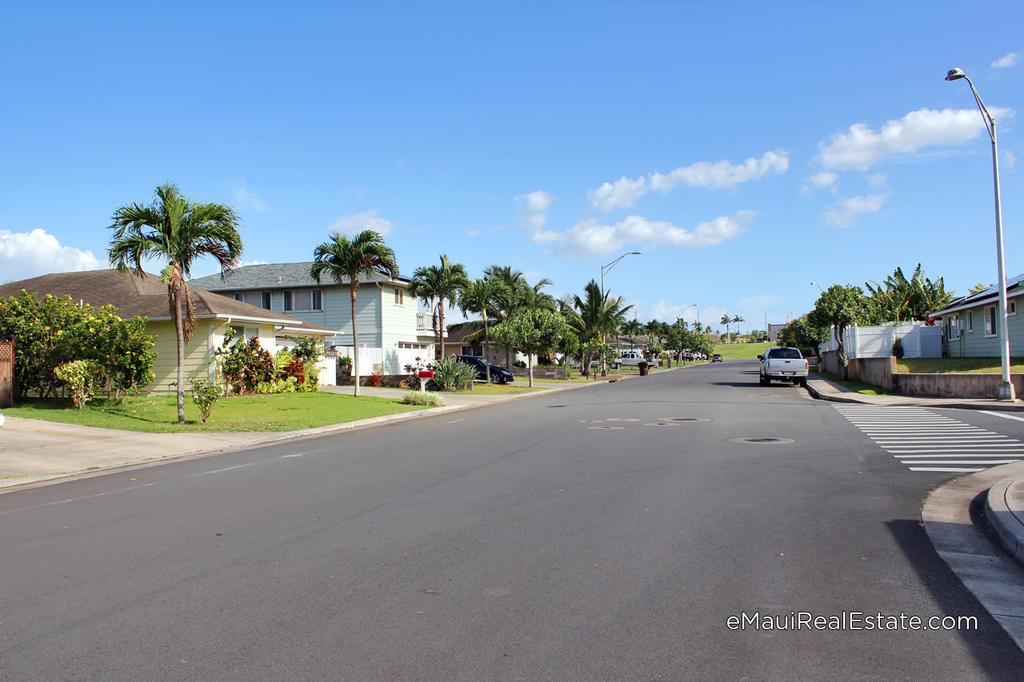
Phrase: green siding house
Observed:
(970, 325)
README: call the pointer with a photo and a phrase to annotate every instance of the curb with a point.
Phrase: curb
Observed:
(911, 401)
(303, 434)
(976, 558)
(1007, 523)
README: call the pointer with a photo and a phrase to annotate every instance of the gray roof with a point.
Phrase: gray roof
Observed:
(272, 276)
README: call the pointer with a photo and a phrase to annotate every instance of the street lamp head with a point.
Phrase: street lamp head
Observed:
(635, 253)
(955, 74)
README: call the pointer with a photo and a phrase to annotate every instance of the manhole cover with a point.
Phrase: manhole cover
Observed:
(684, 420)
(660, 423)
(607, 428)
(763, 440)
(556, 405)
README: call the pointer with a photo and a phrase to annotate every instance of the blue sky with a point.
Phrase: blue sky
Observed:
(748, 149)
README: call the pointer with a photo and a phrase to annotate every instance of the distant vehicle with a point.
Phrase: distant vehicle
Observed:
(717, 357)
(629, 358)
(499, 375)
(783, 364)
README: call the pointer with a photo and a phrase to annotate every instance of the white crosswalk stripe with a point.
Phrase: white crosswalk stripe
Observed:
(925, 441)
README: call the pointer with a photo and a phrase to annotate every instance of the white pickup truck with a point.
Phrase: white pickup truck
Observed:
(783, 364)
(629, 358)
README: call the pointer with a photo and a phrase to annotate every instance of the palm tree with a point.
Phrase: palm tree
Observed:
(341, 257)
(736, 320)
(435, 285)
(596, 316)
(509, 284)
(631, 328)
(478, 297)
(178, 231)
(726, 320)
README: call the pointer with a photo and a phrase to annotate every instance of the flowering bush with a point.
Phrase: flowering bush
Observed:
(246, 365)
(51, 331)
(79, 376)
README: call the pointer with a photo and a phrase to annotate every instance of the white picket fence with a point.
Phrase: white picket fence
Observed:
(919, 340)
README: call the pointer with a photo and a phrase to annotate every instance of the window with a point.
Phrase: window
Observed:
(399, 297)
(970, 321)
(784, 354)
(304, 299)
(953, 327)
(260, 299)
(245, 333)
(1011, 307)
(411, 345)
(990, 321)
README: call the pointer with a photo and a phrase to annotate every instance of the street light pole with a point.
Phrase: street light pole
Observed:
(605, 268)
(1006, 386)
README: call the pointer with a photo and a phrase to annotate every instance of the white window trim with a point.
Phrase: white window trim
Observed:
(1011, 311)
(954, 327)
(970, 321)
(989, 333)
(293, 309)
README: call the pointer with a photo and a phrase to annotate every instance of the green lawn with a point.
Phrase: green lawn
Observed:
(741, 351)
(283, 412)
(946, 365)
(856, 386)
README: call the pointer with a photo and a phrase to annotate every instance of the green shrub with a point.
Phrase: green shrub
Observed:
(246, 365)
(422, 398)
(79, 376)
(205, 393)
(51, 331)
(452, 375)
(309, 349)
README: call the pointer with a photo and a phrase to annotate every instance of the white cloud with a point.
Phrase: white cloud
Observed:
(472, 232)
(878, 180)
(253, 262)
(1009, 159)
(722, 174)
(534, 202)
(29, 254)
(357, 222)
(622, 193)
(625, 192)
(246, 199)
(822, 180)
(1006, 61)
(847, 211)
(592, 238)
(860, 147)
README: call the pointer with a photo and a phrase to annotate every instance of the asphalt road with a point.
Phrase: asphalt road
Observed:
(525, 541)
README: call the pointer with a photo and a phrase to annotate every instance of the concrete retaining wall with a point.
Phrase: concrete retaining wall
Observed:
(875, 371)
(540, 372)
(954, 385)
(830, 362)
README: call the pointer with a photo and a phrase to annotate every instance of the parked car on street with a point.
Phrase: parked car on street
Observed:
(783, 364)
(717, 357)
(499, 375)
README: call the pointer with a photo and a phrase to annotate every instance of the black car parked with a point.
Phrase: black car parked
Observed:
(499, 375)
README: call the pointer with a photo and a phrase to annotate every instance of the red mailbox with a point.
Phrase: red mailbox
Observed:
(426, 374)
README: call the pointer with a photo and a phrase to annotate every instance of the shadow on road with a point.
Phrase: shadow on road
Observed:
(991, 647)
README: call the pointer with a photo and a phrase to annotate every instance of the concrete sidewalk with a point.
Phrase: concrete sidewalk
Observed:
(973, 553)
(823, 389)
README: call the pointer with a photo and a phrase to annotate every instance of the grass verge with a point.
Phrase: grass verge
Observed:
(951, 365)
(158, 414)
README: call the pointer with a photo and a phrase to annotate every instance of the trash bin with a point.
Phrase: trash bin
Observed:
(643, 368)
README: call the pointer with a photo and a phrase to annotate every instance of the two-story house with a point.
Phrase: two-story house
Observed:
(392, 332)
